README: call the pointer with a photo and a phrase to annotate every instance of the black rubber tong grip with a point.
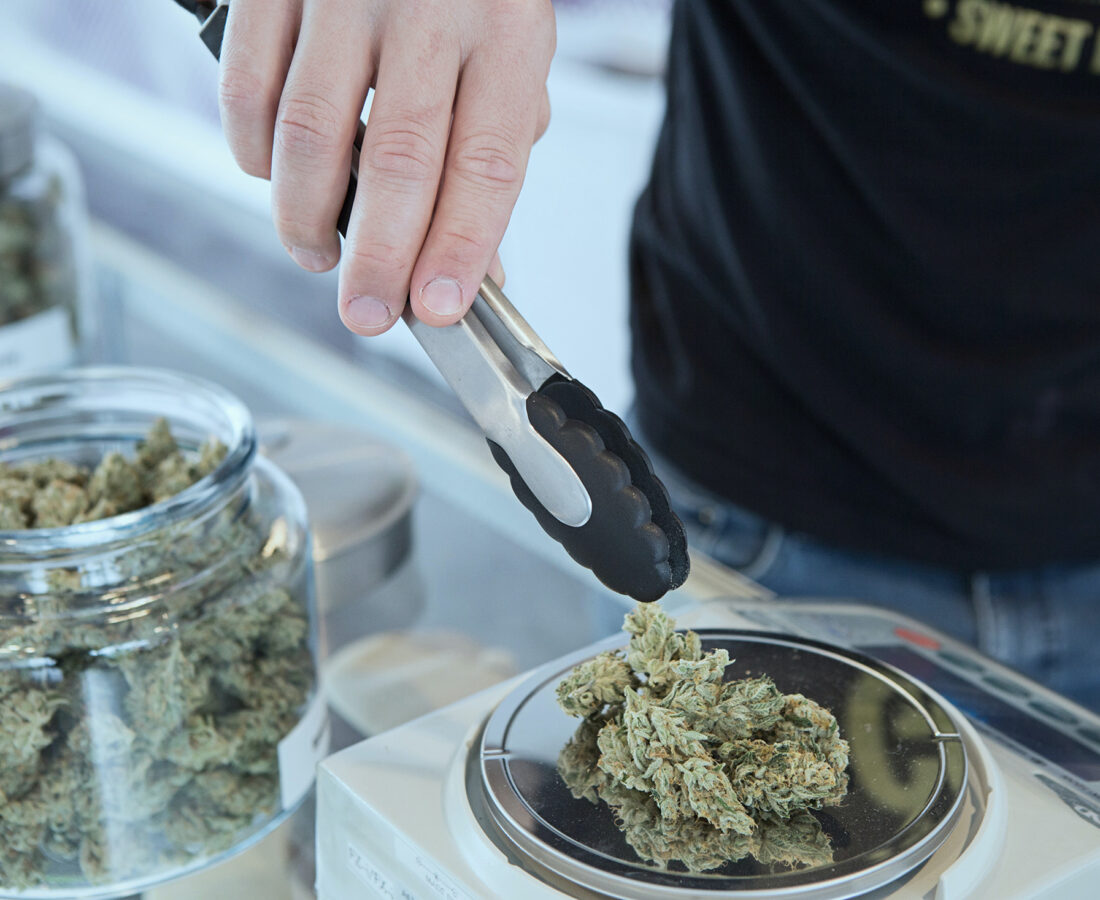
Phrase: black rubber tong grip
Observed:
(633, 542)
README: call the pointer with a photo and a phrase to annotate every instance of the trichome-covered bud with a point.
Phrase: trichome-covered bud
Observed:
(698, 770)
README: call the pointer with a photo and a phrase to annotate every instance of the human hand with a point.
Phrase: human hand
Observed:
(460, 97)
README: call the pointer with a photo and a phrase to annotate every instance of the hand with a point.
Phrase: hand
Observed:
(460, 97)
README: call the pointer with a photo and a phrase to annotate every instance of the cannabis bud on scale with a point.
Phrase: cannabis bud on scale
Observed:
(699, 770)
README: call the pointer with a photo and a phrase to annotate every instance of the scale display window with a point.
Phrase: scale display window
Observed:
(983, 705)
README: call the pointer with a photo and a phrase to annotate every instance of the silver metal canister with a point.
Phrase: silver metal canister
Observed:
(360, 493)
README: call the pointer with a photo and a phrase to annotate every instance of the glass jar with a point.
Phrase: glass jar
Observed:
(158, 691)
(42, 223)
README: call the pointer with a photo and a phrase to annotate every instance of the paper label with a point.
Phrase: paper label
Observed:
(437, 881)
(37, 343)
(382, 885)
(300, 751)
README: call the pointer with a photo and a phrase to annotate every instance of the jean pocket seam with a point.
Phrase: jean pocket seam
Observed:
(767, 555)
(986, 637)
(1053, 626)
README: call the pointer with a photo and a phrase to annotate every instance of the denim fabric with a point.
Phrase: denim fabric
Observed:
(1043, 622)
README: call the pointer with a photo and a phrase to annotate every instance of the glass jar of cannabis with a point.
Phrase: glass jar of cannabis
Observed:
(41, 244)
(158, 691)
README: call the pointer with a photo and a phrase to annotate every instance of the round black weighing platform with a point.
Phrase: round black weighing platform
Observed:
(908, 774)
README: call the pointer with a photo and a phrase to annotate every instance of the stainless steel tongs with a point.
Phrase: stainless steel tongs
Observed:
(494, 361)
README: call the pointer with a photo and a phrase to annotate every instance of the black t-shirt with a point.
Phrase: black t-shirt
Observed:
(866, 272)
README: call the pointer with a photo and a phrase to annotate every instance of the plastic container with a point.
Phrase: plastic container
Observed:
(42, 229)
(158, 699)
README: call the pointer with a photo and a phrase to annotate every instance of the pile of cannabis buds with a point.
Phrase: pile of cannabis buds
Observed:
(698, 770)
(132, 744)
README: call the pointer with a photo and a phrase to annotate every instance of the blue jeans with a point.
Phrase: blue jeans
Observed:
(1044, 622)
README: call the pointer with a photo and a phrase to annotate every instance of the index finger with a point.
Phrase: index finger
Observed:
(399, 169)
(496, 119)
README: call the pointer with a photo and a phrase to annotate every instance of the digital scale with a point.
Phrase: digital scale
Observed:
(967, 780)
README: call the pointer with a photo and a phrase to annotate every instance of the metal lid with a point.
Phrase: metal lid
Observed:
(908, 774)
(18, 118)
(359, 492)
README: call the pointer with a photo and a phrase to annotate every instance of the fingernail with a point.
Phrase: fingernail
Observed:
(367, 312)
(307, 259)
(443, 296)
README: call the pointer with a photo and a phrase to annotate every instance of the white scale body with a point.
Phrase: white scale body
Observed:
(395, 821)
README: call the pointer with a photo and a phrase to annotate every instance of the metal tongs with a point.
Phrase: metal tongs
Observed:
(494, 361)
(571, 462)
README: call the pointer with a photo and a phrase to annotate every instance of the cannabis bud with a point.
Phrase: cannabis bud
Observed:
(699, 770)
(144, 692)
(53, 493)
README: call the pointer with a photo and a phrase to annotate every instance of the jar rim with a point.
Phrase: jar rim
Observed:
(46, 391)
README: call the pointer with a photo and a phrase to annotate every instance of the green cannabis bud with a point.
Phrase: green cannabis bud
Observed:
(53, 493)
(699, 770)
(143, 695)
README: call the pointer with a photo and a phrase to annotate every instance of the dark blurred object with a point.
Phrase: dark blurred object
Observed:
(198, 8)
(212, 18)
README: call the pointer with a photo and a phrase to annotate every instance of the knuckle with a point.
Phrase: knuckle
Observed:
(466, 247)
(366, 260)
(296, 231)
(308, 125)
(488, 161)
(245, 104)
(402, 155)
(298, 221)
(241, 93)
